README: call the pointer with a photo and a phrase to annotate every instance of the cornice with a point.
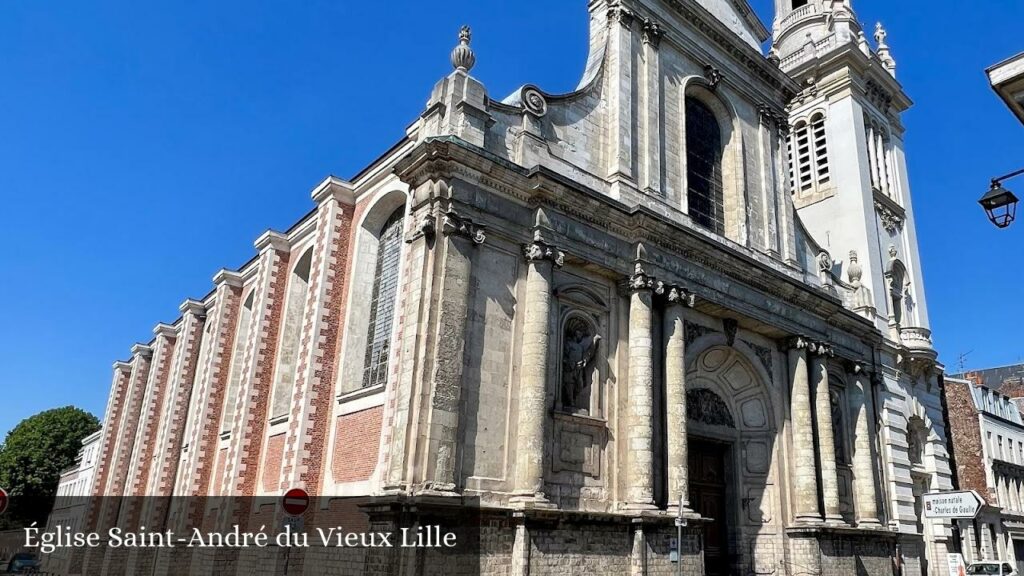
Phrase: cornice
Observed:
(333, 187)
(228, 277)
(272, 239)
(449, 157)
(165, 330)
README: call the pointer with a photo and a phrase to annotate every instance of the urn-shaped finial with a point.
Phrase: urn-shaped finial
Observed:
(462, 56)
(855, 270)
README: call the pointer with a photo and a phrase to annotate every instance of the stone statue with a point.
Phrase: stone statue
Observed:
(580, 349)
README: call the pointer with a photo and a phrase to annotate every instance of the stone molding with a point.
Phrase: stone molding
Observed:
(143, 350)
(228, 277)
(165, 330)
(333, 187)
(272, 239)
(194, 307)
(453, 224)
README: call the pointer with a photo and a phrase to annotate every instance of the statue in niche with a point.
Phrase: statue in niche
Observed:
(579, 351)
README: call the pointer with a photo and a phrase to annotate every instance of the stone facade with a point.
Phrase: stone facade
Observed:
(593, 313)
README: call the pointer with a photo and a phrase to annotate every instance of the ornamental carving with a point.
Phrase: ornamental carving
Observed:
(640, 280)
(694, 331)
(706, 407)
(652, 32)
(579, 354)
(731, 326)
(891, 221)
(764, 355)
(456, 225)
(539, 250)
(534, 102)
(878, 96)
(617, 13)
(713, 76)
(676, 294)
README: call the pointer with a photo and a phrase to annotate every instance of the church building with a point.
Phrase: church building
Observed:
(688, 292)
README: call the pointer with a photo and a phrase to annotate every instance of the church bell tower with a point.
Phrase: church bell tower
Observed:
(848, 178)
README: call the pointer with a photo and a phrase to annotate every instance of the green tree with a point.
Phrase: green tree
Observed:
(33, 456)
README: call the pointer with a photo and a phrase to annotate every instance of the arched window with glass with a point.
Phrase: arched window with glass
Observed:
(704, 151)
(382, 301)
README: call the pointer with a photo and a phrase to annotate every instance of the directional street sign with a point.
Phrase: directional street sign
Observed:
(295, 502)
(963, 505)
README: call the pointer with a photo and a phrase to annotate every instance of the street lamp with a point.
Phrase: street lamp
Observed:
(999, 203)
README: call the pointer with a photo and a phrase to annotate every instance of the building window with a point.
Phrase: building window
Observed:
(382, 301)
(704, 150)
(808, 156)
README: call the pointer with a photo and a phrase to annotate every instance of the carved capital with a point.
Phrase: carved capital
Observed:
(675, 294)
(426, 227)
(798, 343)
(619, 14)
(454, 224)
(640, 280)
(652, 32)
(822, 349)
(539, 250)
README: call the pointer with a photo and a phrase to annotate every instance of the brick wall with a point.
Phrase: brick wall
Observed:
(965, 429)
(356, 445)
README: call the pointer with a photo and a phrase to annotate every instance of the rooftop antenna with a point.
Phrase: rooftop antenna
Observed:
(961, 361)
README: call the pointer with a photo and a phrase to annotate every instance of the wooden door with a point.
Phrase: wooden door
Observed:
(708, 498)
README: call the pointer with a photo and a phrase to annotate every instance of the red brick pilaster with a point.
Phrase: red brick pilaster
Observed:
(308, 427)
(208, 392)
(112, 418)
(249, 415)
(126, 435)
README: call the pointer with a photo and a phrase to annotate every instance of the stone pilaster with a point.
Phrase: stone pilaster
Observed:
(640, 413)
(805, 483)
(650, 171)
(542, 258)
(461, 236)
(310, 407)
(620, 97)
(865, 487)
(677, 300)
(112, 419)
(826, 438)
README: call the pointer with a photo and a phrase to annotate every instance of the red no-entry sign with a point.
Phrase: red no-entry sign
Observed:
(295, 502)
(3, 500)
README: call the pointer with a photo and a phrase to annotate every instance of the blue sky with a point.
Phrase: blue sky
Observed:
(143, 146)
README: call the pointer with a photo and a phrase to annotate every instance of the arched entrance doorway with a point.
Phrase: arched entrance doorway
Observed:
(733, 470)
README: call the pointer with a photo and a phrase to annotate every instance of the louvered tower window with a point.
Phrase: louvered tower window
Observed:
(704, 166)
(808, 156)
(382, 301)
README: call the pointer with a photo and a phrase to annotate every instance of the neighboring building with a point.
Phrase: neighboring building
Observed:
(1007, 79)
(585, 310)
(1009, 380)
(73, 495)
(988, 445)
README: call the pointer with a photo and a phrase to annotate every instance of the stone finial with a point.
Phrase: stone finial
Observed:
(462, 55)
(884, 54)
(880, 36)
(855, 271)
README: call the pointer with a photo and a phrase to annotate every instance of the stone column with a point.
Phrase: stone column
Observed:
(640, 414)
(461, 235)
(865, 489)
(826, 439)
(805, 492)
(675, 395)
(541, 258)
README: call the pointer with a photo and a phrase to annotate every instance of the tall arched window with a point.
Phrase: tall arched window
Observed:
(382, 301)
(291, 336)
(704, 166)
